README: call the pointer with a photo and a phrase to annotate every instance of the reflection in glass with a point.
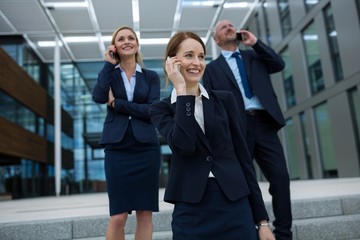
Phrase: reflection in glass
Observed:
(325, 140)
(312, 52)
(305, 138)
(355, 113)
(288, 79)
(333, 44)
(309, 4)
(267, 28)
(285, 19)
(291, 149)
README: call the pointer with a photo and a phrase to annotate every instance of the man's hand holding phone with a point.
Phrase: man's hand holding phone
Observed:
(246, 38)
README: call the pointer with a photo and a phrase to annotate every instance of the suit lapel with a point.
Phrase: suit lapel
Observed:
(224, 66)
(140, 79)
(208, 106)
(119, 89)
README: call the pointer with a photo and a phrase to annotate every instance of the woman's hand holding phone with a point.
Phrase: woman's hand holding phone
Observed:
(110, 54)
(173, 70)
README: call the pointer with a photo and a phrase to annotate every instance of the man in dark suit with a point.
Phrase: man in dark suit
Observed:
(257, 103)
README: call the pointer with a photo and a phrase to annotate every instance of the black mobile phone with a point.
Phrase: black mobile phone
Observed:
(239, 36)
(111, 54)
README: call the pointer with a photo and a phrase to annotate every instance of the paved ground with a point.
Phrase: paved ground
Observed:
(97, 203)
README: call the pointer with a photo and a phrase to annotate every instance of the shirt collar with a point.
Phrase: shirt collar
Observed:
(137, 68)
(227, 54)
(203, 92)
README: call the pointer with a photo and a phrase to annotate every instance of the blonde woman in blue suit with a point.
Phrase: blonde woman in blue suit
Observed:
(212, 181)
(132, 152)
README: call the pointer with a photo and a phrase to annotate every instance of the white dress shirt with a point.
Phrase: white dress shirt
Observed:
(252, 103)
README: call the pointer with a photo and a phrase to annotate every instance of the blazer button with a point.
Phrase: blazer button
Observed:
(188, 114)
(188, 104)
(188, 109)
(209, 158)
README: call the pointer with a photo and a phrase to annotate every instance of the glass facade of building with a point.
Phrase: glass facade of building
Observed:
(319, 109)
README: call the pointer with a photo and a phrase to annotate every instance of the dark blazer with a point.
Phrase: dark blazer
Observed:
(147, 91)
(222, 150)
(259, 63)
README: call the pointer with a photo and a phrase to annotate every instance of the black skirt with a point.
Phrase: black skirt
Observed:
(132, 175)
(132, 179)
(214, 218)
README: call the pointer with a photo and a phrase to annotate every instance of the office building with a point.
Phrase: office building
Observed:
(319, 90)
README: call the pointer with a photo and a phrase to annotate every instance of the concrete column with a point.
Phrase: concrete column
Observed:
(57, 117)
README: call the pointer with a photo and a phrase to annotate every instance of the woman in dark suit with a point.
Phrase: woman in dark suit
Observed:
(132, 151)
(212, 180)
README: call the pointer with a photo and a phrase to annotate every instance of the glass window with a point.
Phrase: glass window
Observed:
(333, 44)
(288, 79)
(267, 28)
(285, 20)
(4, 175)
(40, 127)
(31, 65)
(24, 58)
(254, 26)
(29, 178)
(13, 51)
(50, 135)
(309, 4)
(26, 119)
(355, 110)
(15, 112)
(50, 83)
(67, 142)
(325, 140)
(291, 149)
(305, 138)
(7, 107)
(312, 52)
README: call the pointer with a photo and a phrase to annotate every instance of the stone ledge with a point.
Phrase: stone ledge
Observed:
(316, 219)
(344, 227)
(44, 230)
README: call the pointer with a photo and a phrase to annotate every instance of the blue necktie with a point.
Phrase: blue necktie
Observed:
(248, 92)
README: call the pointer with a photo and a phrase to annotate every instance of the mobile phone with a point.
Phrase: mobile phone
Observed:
(111, 54)
(239, 36)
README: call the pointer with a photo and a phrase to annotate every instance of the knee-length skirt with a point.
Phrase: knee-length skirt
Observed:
(132, 179)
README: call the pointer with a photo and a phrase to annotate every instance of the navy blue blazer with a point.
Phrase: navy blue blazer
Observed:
(147, 91)
(221, 150)
(259, 63)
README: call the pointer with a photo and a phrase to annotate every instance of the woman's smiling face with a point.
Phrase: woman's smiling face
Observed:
(126, 43)
(192, 57)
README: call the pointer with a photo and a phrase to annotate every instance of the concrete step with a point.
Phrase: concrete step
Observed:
(322, 207)
(330, 218)
(164, 235)
(343, 227)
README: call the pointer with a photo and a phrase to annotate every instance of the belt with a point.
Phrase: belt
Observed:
(254, 112)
